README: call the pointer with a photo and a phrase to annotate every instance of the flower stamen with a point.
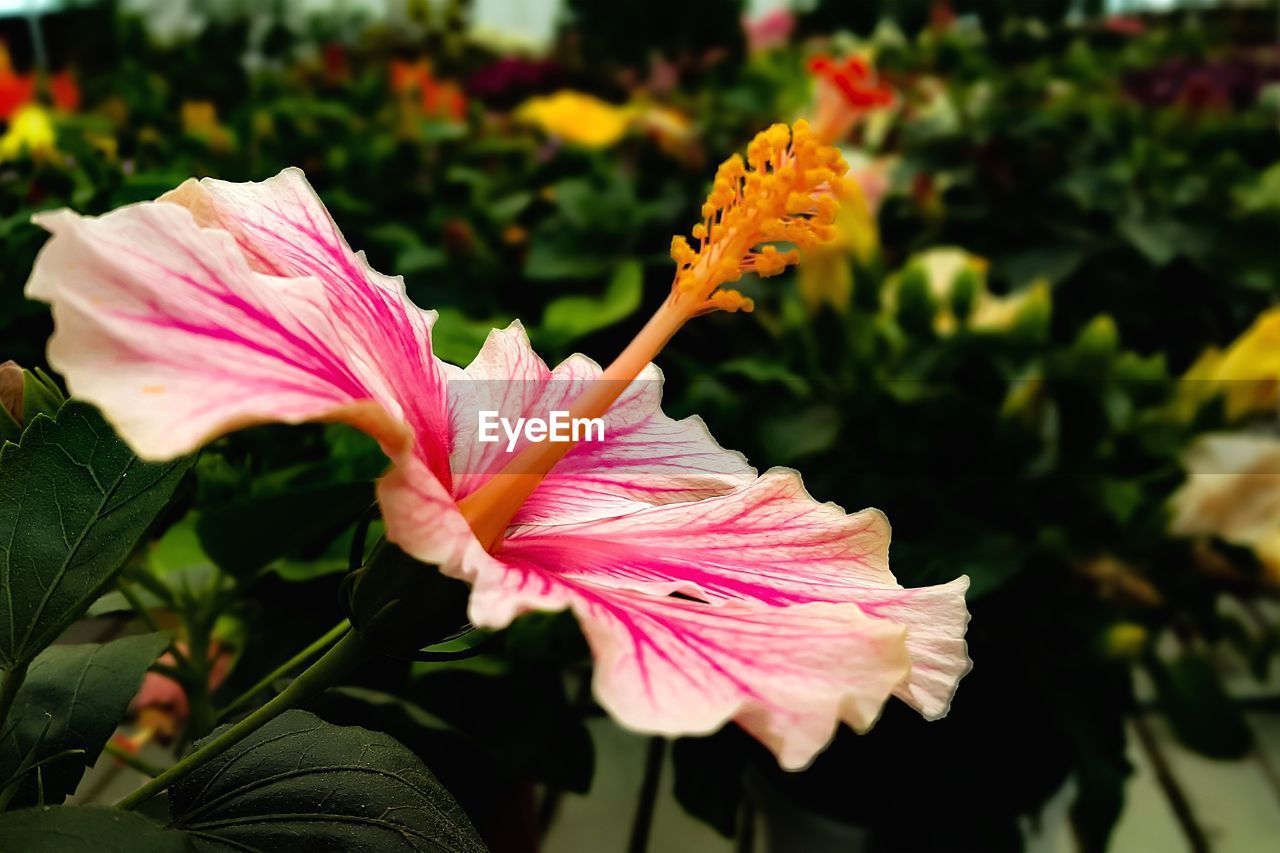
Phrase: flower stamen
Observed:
(785, 192)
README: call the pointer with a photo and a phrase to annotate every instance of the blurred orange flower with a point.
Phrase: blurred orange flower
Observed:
(437, 98)
(18, 90)
(848, 89)
(15, 89)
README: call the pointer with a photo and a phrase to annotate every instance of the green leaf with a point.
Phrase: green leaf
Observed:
(72, 698)
(244, 536)
(571, 317)
(1198, 708)
(299, 783)
(1260, 193)
(74, 501)
(789, 437)
(86, 829)
(457, 338)
(553, 255)
(1161, 240)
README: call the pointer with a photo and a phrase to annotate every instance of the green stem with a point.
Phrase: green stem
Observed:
(334, 634)
(135, 601)
(9, 684)
(200, 719)
(336, 662)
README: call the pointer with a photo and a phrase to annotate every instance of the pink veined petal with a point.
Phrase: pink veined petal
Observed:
(646, 458)
(672, 666)
(423, 519)
(181, 333)
(936, 619)
(768, 546)
(283, 229)
(163, 325)
(506, 377)
(769, 541)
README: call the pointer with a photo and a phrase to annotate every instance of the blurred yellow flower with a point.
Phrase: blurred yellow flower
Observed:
(577, 117)
(1247, 373)
(30, 132)
(825, 275)
(955, 282)
(1233, 492)
(1001, 313)
(200, 119)
(670, 128)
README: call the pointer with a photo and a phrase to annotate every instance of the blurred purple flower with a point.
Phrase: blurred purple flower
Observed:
(511, 79)
(1229, 82)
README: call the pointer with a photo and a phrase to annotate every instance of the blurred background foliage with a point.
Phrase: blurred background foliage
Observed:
(1054, 293)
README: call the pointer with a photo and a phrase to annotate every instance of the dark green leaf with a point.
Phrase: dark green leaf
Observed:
(551, 255)
(1203, 716)
(1161, 240)
(522, 717)
(300, 783)
(708, 777)
(244, 536)
(789, 437)
(86, 829)
(72, 698)
(74, 501)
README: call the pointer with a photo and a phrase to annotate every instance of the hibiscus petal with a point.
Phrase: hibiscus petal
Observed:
(769, 547)
(936, 619)
(163, 326)
(284, 229)
(769, 541)
(646, 458)
(668, 665)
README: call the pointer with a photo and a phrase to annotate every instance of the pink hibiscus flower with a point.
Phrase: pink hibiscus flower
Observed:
(707, 593)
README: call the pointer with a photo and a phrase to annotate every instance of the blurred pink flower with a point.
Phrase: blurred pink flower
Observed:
(160, 708)
(1125, 25)
(770, 30)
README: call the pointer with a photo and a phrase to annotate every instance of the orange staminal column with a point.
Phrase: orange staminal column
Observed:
(786, 191)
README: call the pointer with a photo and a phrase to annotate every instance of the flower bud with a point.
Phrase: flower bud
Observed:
(1125, 640)
(23, 395)
(11, 392)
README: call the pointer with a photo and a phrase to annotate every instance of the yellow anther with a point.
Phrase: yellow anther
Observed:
(731, 301)
(786, 191)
